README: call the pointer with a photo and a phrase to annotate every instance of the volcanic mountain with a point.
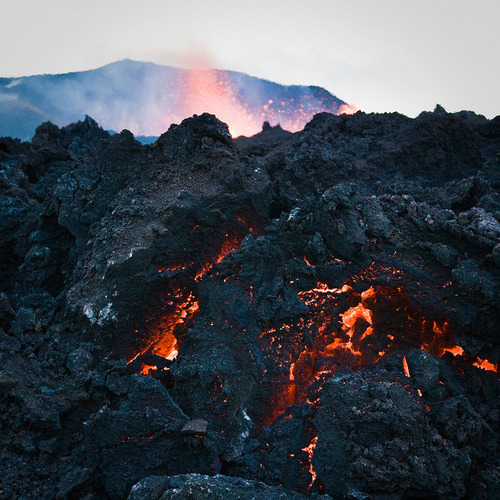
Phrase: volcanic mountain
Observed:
(146, 98)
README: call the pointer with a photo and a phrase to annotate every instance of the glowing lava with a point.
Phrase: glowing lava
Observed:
(232, 242)
(208, 90)
(405, 367)
(162, 341)
(484, 364)
(182, 307)
(310, 450)
(375, 322)
(236, 102)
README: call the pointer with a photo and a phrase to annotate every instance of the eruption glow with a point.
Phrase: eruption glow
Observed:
(244, 103)
(208, 90)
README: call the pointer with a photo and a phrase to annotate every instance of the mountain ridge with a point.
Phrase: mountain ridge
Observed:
(147, 98)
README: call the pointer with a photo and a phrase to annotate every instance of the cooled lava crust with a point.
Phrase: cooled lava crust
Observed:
(280, 316)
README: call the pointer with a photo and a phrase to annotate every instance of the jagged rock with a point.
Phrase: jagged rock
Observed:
(396, 434)
(471, 279)
(7, 381)
(424, 369)
(79, 360)
(446, 255)
(196, 486)
(196, 426)
(230, 271)
(71, 481)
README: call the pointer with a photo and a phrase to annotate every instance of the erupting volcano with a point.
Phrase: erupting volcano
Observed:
(147, 98)
(291, 314)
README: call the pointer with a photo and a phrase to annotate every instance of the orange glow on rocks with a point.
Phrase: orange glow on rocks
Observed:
(162, 341)
(484, 364)
(227, 247)
(177, 267)
(140, 438)
(353, 330)
(351, 319)
(252, 226)
(310, 450)
(183, 307)
(232, 242)
(165, 343)
(405, 367)
(146, 369)
(455, 350)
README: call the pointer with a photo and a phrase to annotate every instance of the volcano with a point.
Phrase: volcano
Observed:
(147, 98)
(287, 315)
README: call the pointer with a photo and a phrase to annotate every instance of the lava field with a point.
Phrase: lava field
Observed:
(288, 315)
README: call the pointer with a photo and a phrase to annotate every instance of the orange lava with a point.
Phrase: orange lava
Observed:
(178, 267)
(307, 262)
(232, 242)
(354, 330)
(252, 227)
(456, 350)
(405, 367)
(310, 450)
(350, 319)
(484, 364)
(162, 341)
(165, 343)
(204, 89)
(146, 369)
(131, 438)
(161, 336)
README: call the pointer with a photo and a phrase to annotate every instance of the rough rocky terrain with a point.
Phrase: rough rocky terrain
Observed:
(281, 316)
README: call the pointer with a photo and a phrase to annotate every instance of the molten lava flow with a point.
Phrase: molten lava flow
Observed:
(484, 364)
(350, 320)
(182, 306)
(314, 295)
(147, 369)
(405, 367)
(455, 350)
(162, 341)
(310, 450)
(350, 329)
(232, 242)
(165, 343)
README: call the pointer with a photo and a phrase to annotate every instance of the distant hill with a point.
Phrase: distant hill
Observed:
(147, 98)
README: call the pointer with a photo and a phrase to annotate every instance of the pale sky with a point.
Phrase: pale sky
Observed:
(380, 55)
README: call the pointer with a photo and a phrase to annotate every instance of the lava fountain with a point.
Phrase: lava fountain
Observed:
(244, 102)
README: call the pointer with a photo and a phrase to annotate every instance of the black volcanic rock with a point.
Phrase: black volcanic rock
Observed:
(197, 486)
(376, 437)
(274, 316)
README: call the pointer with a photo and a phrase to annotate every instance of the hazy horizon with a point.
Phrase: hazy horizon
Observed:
(386, 55)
